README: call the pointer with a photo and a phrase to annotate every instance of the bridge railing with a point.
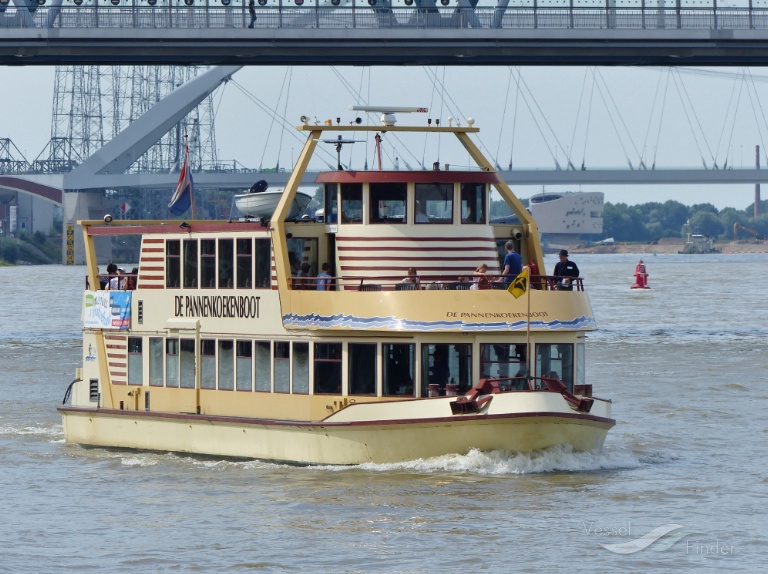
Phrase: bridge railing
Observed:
(322, 14)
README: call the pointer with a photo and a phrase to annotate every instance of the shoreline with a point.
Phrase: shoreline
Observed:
(667, 246)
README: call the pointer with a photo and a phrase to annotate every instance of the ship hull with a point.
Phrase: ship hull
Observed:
(346, 442)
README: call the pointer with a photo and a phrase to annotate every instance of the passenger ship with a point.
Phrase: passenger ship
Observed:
(222, 350)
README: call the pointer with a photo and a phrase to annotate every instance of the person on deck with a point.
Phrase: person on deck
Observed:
(565, 272)
(324, 278)
(252, 12)
(513, 263)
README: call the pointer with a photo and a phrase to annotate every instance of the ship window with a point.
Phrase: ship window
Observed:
(263, 263)
(244, 364)
(351, 203)
(187, 371)
(208, 263)
(442, 364)
(303, 250)
(282, 354)
(263, 365)
(244, 263)
(173, 263)
(387, 202)
(362, 368)
(172, 362)
(398, 363)
(226, 264)
(155, 362)
(581, 364)
(207, 364)
(505, 362)
(557, 361)
(226, 365)
(331, 203)
(301, 368)
(328, 368)
(473, 203)
(190, 263)
(135, 362)
(434, 203)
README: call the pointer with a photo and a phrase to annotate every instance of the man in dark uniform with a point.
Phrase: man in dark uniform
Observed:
(565, 272)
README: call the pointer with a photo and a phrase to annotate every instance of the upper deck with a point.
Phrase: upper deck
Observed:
(376, 225)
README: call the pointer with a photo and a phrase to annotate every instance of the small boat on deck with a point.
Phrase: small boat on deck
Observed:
(233, 343)
(259, 201)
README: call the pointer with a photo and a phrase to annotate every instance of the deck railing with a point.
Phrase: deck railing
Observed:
(320, 14)
(428, 283)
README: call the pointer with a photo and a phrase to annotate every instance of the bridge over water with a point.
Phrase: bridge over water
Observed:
(385, 32)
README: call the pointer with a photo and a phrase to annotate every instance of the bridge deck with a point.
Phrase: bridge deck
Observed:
(566, 32)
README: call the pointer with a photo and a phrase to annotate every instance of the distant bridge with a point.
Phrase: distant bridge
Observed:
(385, 32)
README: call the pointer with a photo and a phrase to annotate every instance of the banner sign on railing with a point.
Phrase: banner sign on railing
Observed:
(107, 309)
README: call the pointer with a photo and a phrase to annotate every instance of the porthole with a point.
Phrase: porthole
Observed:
(189, 2)
(445, 2)
(262, 2)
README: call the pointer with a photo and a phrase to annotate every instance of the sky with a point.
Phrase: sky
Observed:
(533, 117)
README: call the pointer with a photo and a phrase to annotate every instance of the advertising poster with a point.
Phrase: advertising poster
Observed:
(107, 309)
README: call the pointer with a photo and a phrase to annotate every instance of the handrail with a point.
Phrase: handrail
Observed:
(560, 14)
(438, 282)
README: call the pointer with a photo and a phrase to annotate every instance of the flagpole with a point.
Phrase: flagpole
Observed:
(186, 162)
(528, 331)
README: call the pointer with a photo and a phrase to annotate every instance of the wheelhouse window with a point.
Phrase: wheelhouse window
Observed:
(263, 263)
(190, 263)
(244, 365)
(387, 203)
(300, 368)
(187, 364)
(263, 364)
(135, 361)
(208, 364)
(434, 203)
(398, 369)
(226, 263)
(208, 263)
(351, 203)
(362, 368)
(443, 364)
(331, 209)
(555, 360)
(244, 263)
(172, 363)
(155, 362)
(327, 368)
(282, 354)
(226, 369)
(173, 263)
(506, 362)
(473, 203)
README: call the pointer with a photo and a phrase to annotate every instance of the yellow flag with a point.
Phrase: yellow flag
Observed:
(519, 284)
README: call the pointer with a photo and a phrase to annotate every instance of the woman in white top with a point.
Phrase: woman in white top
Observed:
(480, 279)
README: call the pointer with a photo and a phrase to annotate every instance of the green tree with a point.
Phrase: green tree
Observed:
(706, 223)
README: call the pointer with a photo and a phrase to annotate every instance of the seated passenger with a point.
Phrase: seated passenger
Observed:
(302, 281)
(412, 278)
(480, 279)
(324, 278)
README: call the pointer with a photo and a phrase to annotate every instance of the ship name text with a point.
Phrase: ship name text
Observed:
(220, 306)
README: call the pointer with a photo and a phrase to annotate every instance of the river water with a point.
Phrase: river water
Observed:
(681, 483)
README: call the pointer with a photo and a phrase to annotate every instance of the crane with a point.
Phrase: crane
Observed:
(737, 226)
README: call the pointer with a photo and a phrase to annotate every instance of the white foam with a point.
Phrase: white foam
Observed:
(554, 459)
(54, 431)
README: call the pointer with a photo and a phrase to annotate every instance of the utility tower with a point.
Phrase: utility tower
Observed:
(93, 104)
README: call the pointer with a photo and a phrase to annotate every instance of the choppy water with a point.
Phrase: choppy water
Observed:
(685, 364)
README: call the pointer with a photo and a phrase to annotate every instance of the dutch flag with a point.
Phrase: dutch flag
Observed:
(182, 198)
